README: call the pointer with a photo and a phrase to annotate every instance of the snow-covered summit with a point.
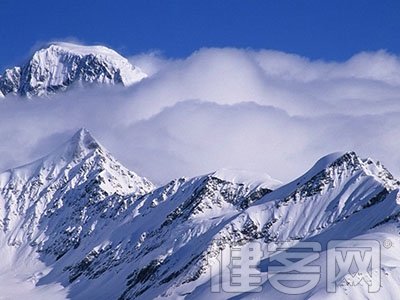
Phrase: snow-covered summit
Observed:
(78, 146)
(75, 162)
(330, 168)
(84, 50)
(59, 65)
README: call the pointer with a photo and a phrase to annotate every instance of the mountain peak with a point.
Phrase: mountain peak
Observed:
(84, 139)
(58, 65)
(330, 167)
(78, 146)
(331, 160)
(80, 159)
(74, 151)
(80, 50)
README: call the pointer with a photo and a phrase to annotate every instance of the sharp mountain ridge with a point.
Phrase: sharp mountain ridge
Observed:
(93, 229)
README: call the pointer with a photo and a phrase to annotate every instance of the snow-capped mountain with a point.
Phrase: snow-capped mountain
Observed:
(76, 177)
(49, 206)
(84, 227)
(59, 65)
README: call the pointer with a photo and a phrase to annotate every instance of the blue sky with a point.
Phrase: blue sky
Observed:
(329, 30)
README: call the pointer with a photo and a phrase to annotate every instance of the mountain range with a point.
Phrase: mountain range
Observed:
(76, 224)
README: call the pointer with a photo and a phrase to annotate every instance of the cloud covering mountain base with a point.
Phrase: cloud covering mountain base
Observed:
(261, 110)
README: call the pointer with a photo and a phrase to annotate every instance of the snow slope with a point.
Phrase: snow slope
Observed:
(59, 65)
(85, 227)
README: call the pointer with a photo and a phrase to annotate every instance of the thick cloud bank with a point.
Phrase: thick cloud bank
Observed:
(262, 111)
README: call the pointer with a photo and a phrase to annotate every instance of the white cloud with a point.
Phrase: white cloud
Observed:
(259, 110)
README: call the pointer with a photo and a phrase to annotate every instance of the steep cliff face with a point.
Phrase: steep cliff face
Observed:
(60, 65)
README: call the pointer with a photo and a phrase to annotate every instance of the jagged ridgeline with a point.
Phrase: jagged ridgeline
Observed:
(80, 221)
(59, 65)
